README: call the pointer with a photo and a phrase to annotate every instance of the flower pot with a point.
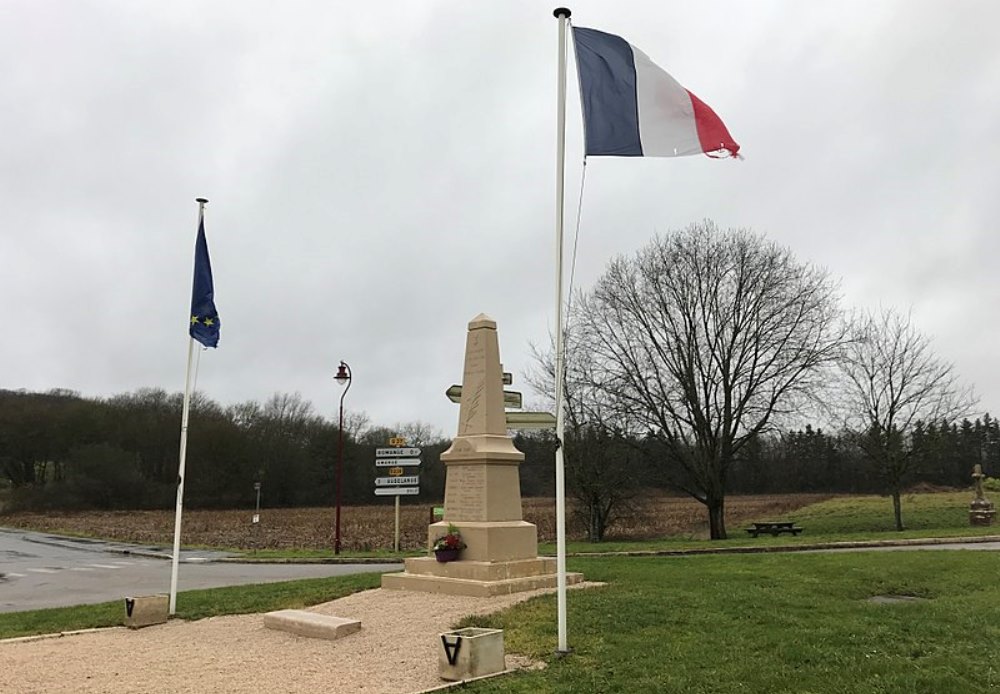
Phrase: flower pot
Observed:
(443, 555)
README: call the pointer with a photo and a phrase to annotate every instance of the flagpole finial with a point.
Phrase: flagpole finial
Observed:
(560, 12)
(201, 201)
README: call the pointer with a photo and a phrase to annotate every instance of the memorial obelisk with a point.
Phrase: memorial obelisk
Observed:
(482, 495)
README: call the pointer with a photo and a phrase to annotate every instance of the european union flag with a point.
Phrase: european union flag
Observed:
(205, 322)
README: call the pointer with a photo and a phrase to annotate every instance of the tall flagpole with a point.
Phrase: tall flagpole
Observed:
(175, 560)
(562, 14)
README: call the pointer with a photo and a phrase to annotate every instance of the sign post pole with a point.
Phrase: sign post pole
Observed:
(395, 544)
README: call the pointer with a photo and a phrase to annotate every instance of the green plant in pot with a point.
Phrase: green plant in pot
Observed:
(447, 547)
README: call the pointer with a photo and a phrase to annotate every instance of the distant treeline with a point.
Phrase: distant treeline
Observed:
(61, 450)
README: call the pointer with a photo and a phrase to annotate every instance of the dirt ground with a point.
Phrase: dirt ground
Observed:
(396, 651)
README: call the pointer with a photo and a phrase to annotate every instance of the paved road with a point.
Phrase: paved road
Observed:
(41, 570)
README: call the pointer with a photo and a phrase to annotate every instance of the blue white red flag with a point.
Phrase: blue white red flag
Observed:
(633, 108)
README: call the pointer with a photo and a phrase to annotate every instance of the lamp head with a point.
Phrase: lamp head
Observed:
(343, 374)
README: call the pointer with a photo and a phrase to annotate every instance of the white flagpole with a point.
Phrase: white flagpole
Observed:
(183, 455)
(562, 14)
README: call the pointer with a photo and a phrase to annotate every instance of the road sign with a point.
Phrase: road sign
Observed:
(404, 481)
(397, 441)
(511, 398)
(392, 462)
(394, 471)
(530, 420)
(397, 452)
(397, 491)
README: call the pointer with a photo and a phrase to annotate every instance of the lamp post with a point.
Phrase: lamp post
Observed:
(343, 377)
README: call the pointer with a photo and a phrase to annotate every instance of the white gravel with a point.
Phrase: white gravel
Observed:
(395, 651)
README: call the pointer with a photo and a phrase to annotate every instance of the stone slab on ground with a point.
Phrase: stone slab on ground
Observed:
(311, 624)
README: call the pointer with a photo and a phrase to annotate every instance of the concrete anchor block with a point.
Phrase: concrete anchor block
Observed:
(471, 652)
(144, 610)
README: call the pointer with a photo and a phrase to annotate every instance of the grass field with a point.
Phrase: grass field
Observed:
(768, 624)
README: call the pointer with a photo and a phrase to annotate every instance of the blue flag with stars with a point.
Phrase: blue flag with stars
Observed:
(205, 322)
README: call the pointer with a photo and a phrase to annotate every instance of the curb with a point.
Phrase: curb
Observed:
(126, 551)
(763, 549)
(309, 560)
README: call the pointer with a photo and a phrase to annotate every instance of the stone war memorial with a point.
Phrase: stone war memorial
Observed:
(482, 497)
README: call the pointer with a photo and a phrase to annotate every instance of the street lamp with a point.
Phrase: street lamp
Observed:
(343, 378)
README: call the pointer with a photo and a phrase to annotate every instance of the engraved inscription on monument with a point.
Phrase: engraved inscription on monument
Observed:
(475, 366)
(466, 493)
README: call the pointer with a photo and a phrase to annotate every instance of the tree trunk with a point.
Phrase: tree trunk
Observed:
(596, 533)
(716, 518)
(897, 510)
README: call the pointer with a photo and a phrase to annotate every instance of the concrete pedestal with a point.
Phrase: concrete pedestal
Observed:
(479, 579)
(144, 610)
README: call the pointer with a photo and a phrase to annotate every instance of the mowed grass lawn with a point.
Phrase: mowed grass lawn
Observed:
(767, 623)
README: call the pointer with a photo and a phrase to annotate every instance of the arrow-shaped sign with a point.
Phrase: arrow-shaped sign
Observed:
(530, 420)
(396, 491)
(393, 462)
(404, 481)
(511, 398)
(397, 452)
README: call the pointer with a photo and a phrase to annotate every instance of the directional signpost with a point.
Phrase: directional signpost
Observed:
(397, 452)
(511, 398)
(531, 420)
(397, 492)
(396, 462)
(403, 481)
(397, 465)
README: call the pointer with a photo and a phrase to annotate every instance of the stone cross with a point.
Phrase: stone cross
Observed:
(977, 475)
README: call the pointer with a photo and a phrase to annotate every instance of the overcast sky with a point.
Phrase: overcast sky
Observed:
(380, 173)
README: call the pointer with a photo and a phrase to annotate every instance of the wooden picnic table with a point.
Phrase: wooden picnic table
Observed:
(774, 528)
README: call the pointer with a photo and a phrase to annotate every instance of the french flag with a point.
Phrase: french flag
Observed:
(633, 108)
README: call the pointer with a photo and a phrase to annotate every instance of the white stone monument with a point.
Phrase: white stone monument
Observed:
(482, 495)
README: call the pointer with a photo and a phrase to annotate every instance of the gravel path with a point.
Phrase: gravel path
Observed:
(395, 651)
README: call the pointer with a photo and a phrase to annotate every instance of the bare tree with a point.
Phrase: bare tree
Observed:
(700, 340)
(892, 381)
(601, 471)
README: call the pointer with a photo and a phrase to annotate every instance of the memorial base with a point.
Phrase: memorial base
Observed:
(476, 578)
(491, 541)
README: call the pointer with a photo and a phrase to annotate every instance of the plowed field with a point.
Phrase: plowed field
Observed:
(371, 527)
